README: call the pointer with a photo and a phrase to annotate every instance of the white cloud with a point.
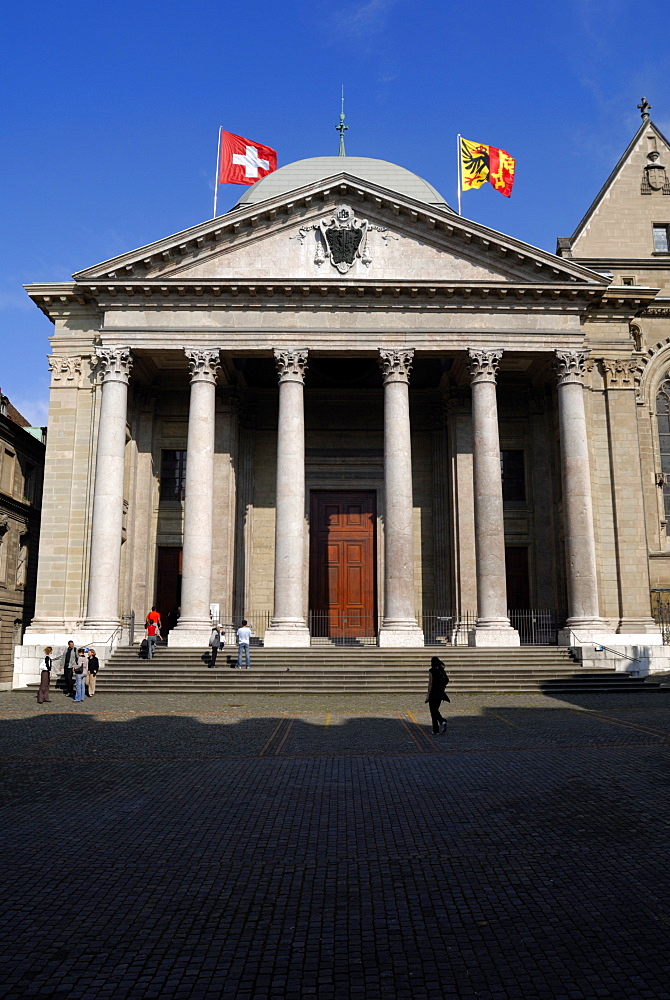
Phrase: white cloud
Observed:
(34, 409)
(364, 19)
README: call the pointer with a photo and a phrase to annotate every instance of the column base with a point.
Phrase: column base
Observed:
(605, 637)
(638, 626)
(400, 638)
(500, 636)
(286, 633)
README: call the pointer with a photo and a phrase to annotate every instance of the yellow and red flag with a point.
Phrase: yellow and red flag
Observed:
(480, 163)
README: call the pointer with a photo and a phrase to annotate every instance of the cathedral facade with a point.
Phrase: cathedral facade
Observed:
(342, 411)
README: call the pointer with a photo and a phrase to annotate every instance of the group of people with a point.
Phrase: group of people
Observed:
(80, 668)
(217, 640)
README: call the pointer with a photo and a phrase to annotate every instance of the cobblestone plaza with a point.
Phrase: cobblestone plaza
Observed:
(178, 847)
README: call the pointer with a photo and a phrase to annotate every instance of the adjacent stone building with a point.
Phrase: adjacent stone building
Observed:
(21, 471)
(342, 410)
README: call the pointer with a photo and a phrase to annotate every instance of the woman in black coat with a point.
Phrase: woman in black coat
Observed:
(45, 677)
(437, 683)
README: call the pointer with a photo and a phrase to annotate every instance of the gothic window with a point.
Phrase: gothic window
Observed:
(512, 468)
(173, 474)
(663, 421)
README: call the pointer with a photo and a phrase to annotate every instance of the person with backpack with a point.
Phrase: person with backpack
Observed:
(437, 683)
(152, 635)
(215, 642)
(80, 675)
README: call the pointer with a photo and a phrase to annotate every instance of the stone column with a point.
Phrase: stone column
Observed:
(632, 547)
(194, 626)
(399, 625)
(288, 626)
(493, 627)
(580, 545)
(107, 522)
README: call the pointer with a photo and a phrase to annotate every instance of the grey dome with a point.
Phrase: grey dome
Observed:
(316, 168)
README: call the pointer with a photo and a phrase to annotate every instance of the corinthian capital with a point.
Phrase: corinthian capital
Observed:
(396, 364)
(203, 364)
(621, 373)
(570, 366)
(67, 368)
(483, 365)
(291, 365)
(113, 363)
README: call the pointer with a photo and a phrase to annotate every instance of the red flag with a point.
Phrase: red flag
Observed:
(242, 161)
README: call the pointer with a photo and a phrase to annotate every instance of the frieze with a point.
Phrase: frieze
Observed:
(64, 368)
(570, 366)
(203, 364)
(396, 364)
(291, 365)
(621, 373)
(342, 239)
(483, 365)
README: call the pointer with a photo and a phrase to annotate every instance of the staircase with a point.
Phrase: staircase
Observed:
(337, 670)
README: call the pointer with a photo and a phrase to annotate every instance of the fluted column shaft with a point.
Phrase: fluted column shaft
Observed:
(399, 625)
(580, 544)
(198, 498)
(288, 626)
(107, 521)
(488, 503)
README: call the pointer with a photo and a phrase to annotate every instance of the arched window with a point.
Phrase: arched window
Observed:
(663, 419)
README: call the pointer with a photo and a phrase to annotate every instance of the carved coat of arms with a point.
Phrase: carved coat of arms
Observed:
(342, 239)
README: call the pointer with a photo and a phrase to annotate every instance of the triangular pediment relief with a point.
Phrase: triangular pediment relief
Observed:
(341, 229)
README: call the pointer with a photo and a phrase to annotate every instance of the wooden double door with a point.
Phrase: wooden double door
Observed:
(342, 564)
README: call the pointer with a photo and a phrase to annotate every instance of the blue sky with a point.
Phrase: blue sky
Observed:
(108, 140)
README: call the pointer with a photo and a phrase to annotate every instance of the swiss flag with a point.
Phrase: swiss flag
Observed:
(242, 161)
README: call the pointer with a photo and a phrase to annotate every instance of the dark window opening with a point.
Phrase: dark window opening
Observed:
(513, 472)
(173, 475)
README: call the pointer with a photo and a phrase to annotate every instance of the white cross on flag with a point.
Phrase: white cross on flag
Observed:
(242, 161)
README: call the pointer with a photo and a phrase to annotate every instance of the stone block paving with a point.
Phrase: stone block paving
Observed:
(330, 847)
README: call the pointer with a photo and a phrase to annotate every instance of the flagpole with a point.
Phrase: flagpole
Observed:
(218, 171)
(458, 163)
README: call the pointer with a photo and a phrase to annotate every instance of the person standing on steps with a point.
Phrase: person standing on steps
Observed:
(69, 663)
(80, 675)
(45, 677)
(436, 694)
(153, 635)
(214, 644)
(154, 617)
(93, 667)
(243, 640)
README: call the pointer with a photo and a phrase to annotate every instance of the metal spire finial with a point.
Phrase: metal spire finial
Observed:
(342, 128)
(645, 108)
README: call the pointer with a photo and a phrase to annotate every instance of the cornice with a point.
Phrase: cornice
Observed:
(314, 294)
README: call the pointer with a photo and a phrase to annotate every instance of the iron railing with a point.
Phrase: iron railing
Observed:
(536, 626)
(660, 611)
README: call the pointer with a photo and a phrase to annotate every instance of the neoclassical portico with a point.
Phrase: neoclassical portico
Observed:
(355, 353)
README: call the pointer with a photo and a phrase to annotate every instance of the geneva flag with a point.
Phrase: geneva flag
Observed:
(480, 163)
(242, 161)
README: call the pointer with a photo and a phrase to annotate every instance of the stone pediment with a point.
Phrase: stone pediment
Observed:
(341, 229)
